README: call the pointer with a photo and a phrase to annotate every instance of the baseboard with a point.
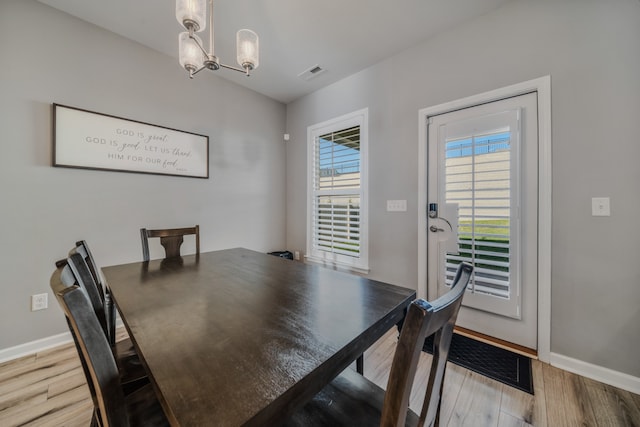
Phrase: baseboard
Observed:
(32, 347)
(595, 372)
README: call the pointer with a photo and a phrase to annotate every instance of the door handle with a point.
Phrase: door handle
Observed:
(435, 229)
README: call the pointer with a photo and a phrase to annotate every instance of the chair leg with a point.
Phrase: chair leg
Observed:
(360, 364)
(436, 422)
(95, 419)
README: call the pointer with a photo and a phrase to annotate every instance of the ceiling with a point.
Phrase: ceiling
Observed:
(341, 36)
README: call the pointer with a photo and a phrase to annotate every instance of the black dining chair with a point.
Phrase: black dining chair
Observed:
(132, 372)
(352, 400)
(124, 351)
(82, 248)
(170, 238)
(111, 406)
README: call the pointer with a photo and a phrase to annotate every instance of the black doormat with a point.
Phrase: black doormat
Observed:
(501, 365)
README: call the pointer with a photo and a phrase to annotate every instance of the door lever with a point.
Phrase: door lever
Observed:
(435, 229)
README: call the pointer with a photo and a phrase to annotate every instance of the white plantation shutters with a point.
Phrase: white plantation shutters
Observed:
(337, 214)
(478, 180)
(337, 192)
(481, 157)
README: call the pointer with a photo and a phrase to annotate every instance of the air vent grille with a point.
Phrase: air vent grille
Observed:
(312, 72)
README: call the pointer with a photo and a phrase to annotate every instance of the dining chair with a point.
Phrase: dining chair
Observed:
(82, 248)
(352, 400)
(125, 352)
(132, 372)
(111, 406)
(170, 238)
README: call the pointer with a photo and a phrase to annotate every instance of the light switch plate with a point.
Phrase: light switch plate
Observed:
(600, 206)
(396, 205)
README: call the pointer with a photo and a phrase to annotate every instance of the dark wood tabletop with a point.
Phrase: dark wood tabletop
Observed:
(237, 337)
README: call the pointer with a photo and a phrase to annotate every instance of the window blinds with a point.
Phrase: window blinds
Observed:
(478, 179)
(337, 192)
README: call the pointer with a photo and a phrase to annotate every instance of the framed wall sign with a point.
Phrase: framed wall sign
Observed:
(88, 140)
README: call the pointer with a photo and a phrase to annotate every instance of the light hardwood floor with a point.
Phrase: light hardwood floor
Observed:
(49, 389)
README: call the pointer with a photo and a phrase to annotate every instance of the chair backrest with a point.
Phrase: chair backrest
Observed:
(423, 319)
(95, 353)
(171, 239)
(82, 248)
(83, 278)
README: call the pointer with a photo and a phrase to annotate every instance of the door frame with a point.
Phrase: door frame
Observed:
(542, 86)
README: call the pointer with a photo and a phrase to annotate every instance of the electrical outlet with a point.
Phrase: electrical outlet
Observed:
(39, 302)
(296, 255)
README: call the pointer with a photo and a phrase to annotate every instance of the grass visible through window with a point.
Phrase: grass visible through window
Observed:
(486, 230)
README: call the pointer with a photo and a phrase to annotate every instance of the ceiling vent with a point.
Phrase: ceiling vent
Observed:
(312, 72)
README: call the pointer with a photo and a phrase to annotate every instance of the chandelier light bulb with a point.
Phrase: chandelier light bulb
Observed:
(248, 48)
(192, 14)
(189, 53)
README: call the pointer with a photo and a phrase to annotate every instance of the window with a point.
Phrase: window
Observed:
(478, 173)
(337, 198)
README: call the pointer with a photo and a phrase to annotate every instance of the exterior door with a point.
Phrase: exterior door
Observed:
(483, 196)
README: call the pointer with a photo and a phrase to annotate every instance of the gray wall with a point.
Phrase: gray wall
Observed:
(591, 49)
(48, 56)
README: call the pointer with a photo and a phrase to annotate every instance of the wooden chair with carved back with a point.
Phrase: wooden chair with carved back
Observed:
(111, 406)
(170, 238)
(352, 400)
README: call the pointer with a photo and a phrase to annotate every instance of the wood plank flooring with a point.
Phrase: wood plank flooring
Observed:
(49, 389)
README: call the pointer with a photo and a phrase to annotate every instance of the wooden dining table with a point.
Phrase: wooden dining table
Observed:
(237, 337)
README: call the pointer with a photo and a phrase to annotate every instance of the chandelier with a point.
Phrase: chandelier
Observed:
(193, 57)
